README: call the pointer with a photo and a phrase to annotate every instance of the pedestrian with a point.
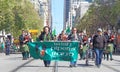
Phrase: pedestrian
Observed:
(107, 36)
(99, 43)
(7, 46)
(81, 44)
(62, 36)
(74, 36)
(27, 38)
(109, 49)
(46, 36)
(22, 41)
(25, 51)
(85, 46)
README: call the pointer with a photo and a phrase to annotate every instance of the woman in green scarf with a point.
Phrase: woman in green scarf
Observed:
(46, 36)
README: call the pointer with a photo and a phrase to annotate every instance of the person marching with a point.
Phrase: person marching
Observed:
(22, 41)
(46, 36)
(99, 43)
(62, 36)
(74, 36)
(7, 46)
(109, 49)
(85, 46)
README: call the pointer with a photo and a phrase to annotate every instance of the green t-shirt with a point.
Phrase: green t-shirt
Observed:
(109, 47)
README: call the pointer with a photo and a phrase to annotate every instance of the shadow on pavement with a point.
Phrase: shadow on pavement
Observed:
(44, 66)
(117, 60)
(14, 58)
(84, 65)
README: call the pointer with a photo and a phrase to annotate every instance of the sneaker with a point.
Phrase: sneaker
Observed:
(80, 59)
(71, 66)
(98, 66)
(111, 59)
(24, 59)
(48, 65)
(74, 65)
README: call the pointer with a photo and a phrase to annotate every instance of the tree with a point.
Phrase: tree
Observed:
(16, 15)
(100, 15)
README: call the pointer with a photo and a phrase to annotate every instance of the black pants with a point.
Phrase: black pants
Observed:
(46, 62)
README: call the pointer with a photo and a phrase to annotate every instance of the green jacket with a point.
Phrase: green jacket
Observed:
(25, 48)
(109, 47)
(85, 47)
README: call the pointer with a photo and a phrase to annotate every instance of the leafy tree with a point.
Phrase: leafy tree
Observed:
(16, 15)
(100, 15)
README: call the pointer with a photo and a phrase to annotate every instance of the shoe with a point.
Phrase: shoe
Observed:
(48, 65)
(80, 59)
(71, 66)
(45, 65)
(83, 58)
(24, 59)
(107, 59)
(74, 65)
(111, 59)
(98, 66)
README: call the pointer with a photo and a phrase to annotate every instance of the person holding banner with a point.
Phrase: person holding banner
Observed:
(46, 36)
(74, 36)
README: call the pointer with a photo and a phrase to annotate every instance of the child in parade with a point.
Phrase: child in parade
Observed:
(109, 49)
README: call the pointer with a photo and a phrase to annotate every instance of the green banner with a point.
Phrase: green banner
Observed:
(63, 51)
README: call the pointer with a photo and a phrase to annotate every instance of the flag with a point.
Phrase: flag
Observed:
(68, 30)
(54, 32)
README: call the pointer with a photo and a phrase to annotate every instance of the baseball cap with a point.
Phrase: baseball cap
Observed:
(99, 30)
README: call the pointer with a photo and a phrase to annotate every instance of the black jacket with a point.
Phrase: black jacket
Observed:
(99, 42)
(41, 36)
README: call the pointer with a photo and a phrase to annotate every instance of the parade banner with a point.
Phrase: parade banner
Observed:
(61, 51)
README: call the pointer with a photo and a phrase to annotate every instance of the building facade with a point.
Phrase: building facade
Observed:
(66, 12)
(75, 11)
(43, 7)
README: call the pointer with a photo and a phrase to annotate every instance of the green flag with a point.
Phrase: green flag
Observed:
(54, 32)
(68, 30)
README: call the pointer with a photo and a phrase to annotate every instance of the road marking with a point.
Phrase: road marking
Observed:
(19, 67)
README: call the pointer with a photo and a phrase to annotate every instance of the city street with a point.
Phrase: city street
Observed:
(14, 63)
(57, 31)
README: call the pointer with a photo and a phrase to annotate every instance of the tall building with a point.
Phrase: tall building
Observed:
(66, 12)
(74, 10)
(50, 14)
(43, 7)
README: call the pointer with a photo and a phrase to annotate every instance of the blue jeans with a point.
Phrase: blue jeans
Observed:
(7, 51)
(99, 54)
